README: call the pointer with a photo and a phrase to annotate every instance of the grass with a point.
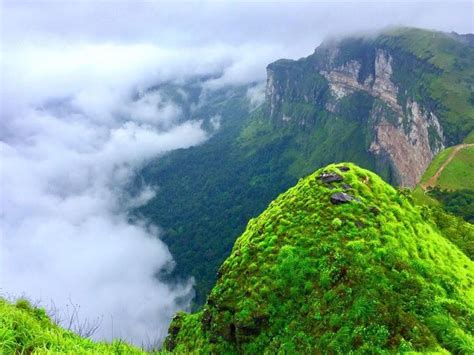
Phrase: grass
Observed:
(436, 164)
(454, 187)
(373, 275)
(25, 329)
(459, 173)
(421, 198)
(470, 138)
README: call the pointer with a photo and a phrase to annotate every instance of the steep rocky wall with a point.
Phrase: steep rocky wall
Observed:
(407, 144)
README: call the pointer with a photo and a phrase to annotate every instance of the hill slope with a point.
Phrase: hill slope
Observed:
(388, 103)
(337, 266)
(452, 169)
(449, 181)
(28, 330)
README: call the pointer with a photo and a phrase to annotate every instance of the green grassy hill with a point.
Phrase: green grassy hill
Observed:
(368, 275)
(25, 329)
(449, 182)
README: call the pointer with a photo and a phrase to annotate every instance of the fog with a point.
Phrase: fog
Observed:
(78, 122)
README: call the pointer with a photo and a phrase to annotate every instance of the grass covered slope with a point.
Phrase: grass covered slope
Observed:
(368, 275)
(449, 181)
(28, 330)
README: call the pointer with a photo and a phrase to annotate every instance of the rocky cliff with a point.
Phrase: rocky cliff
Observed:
(405, 121)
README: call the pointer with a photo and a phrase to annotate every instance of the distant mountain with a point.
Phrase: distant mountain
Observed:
(388, 102)
(403, 96)
(340, 263)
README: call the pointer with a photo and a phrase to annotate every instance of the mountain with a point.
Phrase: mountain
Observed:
(406, 92)
(342, 262)
(388, 102)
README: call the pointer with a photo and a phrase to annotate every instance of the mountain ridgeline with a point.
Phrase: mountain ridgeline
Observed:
(402, 96)
(388, 103)
(340, 263)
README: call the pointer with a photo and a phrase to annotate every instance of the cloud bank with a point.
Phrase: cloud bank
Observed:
(72, 138)
(78, 121)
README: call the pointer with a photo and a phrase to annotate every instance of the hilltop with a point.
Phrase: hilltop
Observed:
(340, 262)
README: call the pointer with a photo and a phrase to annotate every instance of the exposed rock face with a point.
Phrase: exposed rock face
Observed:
(345, 80)
(402, 132)
(408, 146)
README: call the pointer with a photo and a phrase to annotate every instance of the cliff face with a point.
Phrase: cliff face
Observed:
(402, 129)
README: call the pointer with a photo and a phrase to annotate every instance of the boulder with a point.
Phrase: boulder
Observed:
(341, 197)
(328, 178)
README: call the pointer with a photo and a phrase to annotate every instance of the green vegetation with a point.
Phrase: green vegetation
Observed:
(436, 163)
(373, 275)
(206, 194)
(25, 329)
(454, 187)
(453, 228)
(470, 138)
(458, 202)
(459, 173)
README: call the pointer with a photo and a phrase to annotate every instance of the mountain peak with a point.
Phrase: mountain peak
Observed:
(317, 271)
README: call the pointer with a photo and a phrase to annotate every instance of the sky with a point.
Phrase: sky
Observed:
(77, 123)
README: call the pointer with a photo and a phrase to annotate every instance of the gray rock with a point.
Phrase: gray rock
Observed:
(328, 178)
(341, 197)
(343, 168)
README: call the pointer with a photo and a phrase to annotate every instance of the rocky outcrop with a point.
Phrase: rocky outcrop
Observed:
(345, 80)
(340, 198)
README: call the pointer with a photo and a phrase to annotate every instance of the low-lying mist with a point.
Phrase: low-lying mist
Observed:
(78, 123)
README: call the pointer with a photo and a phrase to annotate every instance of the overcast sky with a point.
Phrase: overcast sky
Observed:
(179, 23)
(65, 235)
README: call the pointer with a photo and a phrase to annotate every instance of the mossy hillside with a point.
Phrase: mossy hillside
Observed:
(25, 329)
(371, 275)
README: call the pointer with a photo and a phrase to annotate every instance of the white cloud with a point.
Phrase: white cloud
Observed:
(73, 139)
(216, 122)
(256, 95)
